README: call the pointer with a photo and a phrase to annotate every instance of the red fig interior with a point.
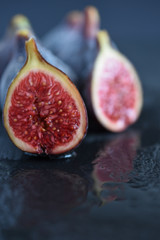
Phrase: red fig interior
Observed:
(42, 113)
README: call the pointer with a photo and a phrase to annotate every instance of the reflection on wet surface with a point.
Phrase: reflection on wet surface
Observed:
(116, 182)
(108, 190)
(113, 166)
(49, 193)
(43, 198)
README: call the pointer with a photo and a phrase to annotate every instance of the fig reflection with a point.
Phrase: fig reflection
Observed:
(51, 193)
(113, 166)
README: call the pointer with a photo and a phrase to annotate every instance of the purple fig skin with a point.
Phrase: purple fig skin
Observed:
(16, 57)
(74, 41)
(5, 54)
(17, 23)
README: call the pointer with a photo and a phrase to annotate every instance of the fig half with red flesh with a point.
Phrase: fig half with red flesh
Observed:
(116, 93)
(43, 111)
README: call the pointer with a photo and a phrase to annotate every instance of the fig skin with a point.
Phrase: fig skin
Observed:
(7, 43)
(18, 60)
(36, 62)
(79, 47)
(90, 46)
(13, 48)
(15, 64)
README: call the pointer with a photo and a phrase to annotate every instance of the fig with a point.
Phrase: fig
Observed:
(17, 23)
(107, 79)
(78, 47)
(43, 110)
(113, 165)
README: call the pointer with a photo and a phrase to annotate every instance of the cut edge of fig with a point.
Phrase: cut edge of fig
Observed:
(35, 62)
(106, 51)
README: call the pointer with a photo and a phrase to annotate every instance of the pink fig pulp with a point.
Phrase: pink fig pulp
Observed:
(116, 93)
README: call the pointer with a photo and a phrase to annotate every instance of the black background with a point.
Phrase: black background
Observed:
(124, 18)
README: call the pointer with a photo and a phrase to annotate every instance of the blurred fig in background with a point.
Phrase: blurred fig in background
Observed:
(74, 41)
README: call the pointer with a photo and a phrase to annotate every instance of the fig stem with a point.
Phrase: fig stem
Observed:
(24, 33)
(33, 55)
(103, 39)
(19, 22)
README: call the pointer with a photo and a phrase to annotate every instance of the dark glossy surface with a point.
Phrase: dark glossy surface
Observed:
(109, 189)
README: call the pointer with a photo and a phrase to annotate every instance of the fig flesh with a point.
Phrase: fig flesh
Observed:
(116, 93)
(43, 111)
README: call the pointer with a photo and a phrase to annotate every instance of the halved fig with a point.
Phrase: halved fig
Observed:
(116, 93)
(43, 111)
